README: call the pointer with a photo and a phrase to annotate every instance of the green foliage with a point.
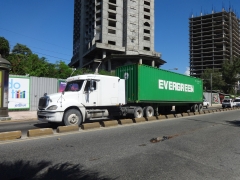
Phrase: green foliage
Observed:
(217, 80)
(21, 49)
(230, 72)
(23, 62)
(4, 47)
(103, 72)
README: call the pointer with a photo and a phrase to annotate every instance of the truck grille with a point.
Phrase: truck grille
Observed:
(43, 102)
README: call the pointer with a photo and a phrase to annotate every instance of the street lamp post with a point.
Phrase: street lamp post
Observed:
(211, 87)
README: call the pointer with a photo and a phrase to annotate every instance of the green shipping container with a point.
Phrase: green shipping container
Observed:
(152, 85)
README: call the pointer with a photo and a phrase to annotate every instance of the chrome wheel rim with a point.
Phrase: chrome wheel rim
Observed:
(73, 119)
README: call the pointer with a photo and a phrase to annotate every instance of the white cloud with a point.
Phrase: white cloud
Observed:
(187, 72)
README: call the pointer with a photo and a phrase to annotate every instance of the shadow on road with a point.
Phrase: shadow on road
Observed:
(235, 122)
(25, 170)
(47, 125)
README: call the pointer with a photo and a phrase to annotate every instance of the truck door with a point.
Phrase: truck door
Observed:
(90, 93)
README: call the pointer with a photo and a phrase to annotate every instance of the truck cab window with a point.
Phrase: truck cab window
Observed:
(74, 86)
(88, 85)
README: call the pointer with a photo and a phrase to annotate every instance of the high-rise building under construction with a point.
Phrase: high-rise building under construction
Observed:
(214, 38)
(114, 32)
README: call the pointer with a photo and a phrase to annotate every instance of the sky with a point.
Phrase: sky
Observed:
(46, 27)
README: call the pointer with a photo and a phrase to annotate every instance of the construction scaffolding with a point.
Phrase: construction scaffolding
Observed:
(214, 38)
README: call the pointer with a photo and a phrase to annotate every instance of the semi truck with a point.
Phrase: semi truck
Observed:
(136, 91)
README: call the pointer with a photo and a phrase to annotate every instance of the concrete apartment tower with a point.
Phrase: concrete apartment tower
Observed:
(214, 38)
(114, 32)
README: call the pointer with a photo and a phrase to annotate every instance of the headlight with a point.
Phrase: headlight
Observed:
(54, 107)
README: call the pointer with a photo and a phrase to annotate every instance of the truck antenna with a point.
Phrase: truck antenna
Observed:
(73, 70)
(100, 62)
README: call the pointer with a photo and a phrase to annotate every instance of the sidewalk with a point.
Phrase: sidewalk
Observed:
(20, 115)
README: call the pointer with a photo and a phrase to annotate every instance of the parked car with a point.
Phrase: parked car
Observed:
(227, 103)
(236, 102)
(205, 103)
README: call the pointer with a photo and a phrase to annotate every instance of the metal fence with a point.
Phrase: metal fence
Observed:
(37, 87)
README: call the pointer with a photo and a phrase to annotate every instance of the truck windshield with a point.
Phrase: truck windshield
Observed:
(74, 85)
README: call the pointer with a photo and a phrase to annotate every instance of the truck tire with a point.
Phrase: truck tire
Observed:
(72, 117)
(148, 111)
(200, 108)
(138, 112)
(194, 108)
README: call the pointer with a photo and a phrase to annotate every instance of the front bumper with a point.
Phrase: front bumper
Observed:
(226, 105)
(50, 116)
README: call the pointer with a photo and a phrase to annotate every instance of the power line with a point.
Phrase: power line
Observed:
(43, 49)
(32, 38)
(50, 56)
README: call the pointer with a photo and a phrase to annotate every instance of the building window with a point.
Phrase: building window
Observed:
(98, 7)
(147, 3)
(111, 31)
(147, 10)
(98, 23)
(146, 31)
(146, 38)
(112, 23)
(146, 17)
(146, 48)
(112, 1)
(111, 15)
(112, 42)
(111, 7)
(147, 24)
(98, 15)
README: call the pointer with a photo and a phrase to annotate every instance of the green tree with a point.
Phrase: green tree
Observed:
(4, 47)
(230, 72)
(217, 80)
(35, 66)
(21, 49)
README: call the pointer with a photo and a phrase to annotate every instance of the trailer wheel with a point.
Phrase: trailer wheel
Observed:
(148, 111)
(72, 117)
(200, 108)
(138, 112)
(195, 108)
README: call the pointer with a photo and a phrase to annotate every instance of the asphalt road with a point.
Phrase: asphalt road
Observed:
(199, 147)
(24, 126)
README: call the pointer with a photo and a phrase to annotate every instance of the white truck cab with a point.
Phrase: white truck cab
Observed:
(85, 97)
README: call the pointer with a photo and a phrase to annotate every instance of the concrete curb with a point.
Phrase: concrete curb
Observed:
(126, 121)
(10, 135)
(139, 120)
(63, 129)
(109, 123)
(185, 114)
(90, 126)
(40, 132)
(170, 116)
(161, 117)
(153, 118)
(178, 115)
(191, 114)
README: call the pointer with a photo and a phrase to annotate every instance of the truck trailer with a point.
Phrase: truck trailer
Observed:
(135, 90)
